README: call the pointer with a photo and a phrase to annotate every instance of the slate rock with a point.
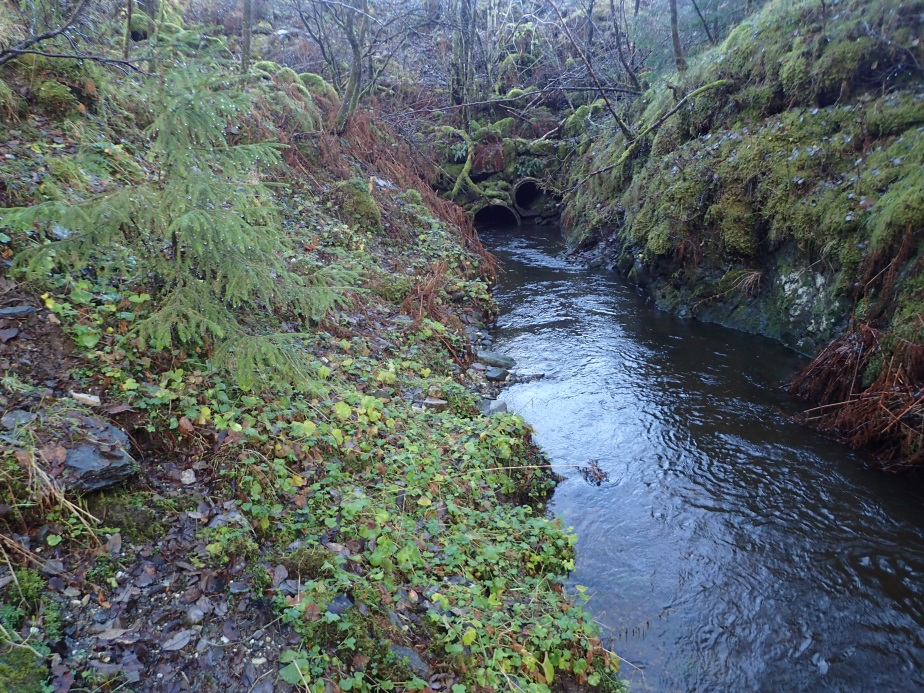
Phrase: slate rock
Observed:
(101, 461)
(17, 312)
(17, 417)
(414, 661)
(496, 374)
(340, 605)
(495, 358)
(436, 404)
(490, 407)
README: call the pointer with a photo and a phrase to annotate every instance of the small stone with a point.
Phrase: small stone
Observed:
(194, 615)
(414, 661)
(495, 358)
(188, 477)
(435, 404)
(85, 399)
(238, 588)
(17, 312)
(490, 407)
(340, 605)
(496, 374)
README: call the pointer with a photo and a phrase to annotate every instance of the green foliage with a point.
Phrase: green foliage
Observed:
(54, 97)
(202, 227)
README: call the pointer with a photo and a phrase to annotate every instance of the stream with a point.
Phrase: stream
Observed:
(728, 549)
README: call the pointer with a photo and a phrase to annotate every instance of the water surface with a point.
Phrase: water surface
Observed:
(730, 549)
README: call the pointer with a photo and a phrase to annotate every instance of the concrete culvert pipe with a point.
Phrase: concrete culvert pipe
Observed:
(496, 214)
(529, 197)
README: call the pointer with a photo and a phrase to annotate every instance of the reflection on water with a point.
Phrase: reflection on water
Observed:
(729, 549)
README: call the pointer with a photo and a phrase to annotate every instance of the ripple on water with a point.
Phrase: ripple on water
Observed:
(729, 549)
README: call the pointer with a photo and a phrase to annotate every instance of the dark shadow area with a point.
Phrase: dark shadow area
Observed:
(529, 196)
(495, 215)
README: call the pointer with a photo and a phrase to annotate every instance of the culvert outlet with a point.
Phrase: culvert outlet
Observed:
(530, 198)
(495, 214)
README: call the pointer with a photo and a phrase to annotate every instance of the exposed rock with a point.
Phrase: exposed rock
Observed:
(494, 358)
(489, 407)
(17, 312)
(496, 374)
(435, 404)
(414, 661)
(101, 461)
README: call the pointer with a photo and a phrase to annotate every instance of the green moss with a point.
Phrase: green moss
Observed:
(170, 29)
(141, 26)
(55, 98)
(266, 66)
(413, 197)
(575, 123)
(129, 513)
(356, 206)
(899, 211)
(21, 671)
(286, 75)
(317, 85)
(734, 217)
(504, 127)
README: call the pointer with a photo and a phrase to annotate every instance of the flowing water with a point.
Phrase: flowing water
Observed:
(729, 549)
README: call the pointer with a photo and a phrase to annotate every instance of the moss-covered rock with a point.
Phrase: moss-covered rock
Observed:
(142, 26)
(354, 205)
(317, 85)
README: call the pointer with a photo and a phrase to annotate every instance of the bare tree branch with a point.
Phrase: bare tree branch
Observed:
(124, 65)
(619, 121)
(7, 54)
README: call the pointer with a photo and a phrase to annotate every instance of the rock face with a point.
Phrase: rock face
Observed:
(99, 462)
(494, 358)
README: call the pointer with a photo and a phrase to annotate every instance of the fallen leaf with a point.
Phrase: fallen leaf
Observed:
(7, 335)
(54, 454)
(118, 408)
(177, 641)
(312, 612)
(186, 426)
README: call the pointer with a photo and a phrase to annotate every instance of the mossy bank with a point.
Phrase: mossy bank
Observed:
(785, 198)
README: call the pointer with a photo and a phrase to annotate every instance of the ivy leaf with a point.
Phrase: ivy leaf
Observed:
(548, 670)
(342, 410)
(469, 636)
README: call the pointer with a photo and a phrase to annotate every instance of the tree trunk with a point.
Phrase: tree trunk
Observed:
(129, 9)
(705, 24)
(675, 39)
(356, 38)
(462, 67)
(590, 23)
(246, 33)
